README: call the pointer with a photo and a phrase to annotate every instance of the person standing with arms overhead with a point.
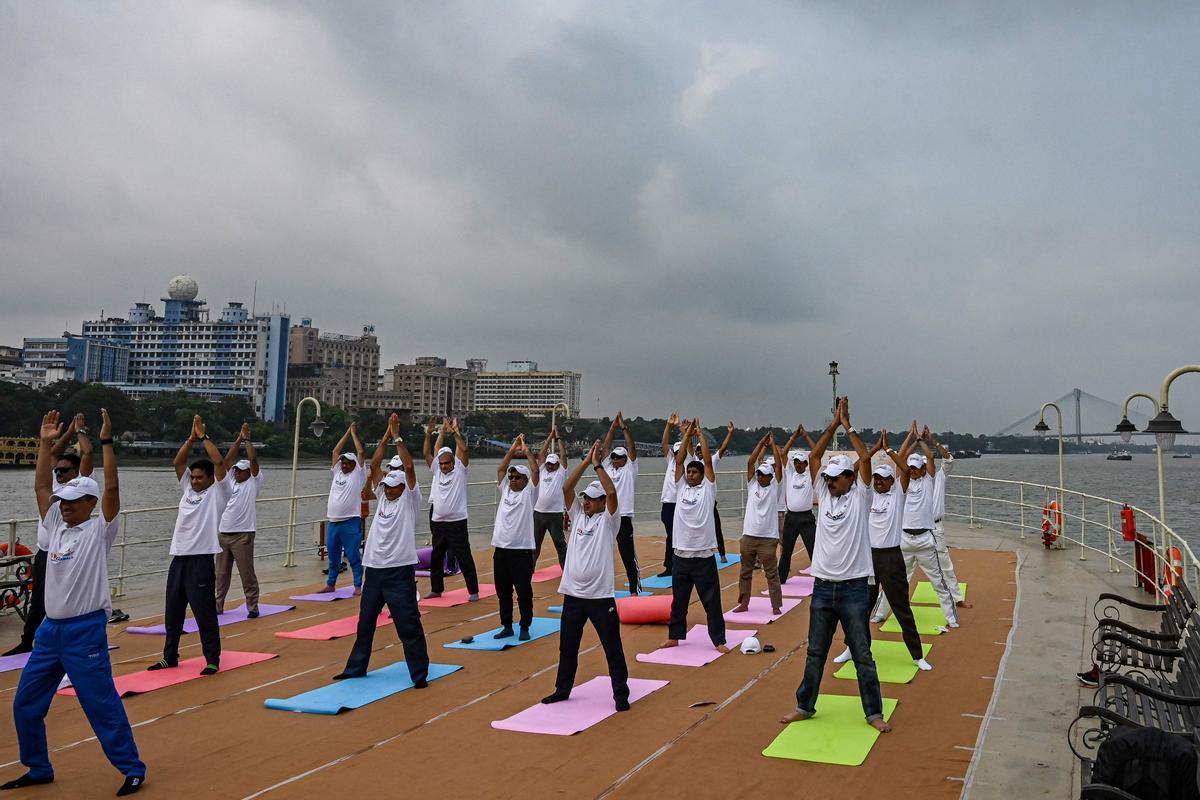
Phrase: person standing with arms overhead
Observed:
(939, 511)
(191, 577)
(67, 466)
(798, 520)
(344, 525)
(548, 512)
(695, 562)
(760, 527)
(669, 490)
(390, 559)
(621, 465)
(72, 639)
(587, 581)
(239, 522)
(716, 459)
(512, 538)
(448, 507)
(842, 575)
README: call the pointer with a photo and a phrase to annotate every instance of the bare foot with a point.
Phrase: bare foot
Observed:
(964, 604)
(880, 725)
(724, 648)
(670, 643)
(357, 590)
(741, 608)
(326, 589)
(777, 612)
(795, 716)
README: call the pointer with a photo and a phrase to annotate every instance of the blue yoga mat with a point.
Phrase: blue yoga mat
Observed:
(655, 582)
(353, 693)
(542, 626)
(618, 593)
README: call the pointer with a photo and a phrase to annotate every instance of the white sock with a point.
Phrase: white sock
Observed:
(878, 619)
(843, 658)
(923, 665)
(952, 624)
(943, 629)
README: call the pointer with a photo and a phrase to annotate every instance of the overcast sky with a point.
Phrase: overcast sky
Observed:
(972, 206)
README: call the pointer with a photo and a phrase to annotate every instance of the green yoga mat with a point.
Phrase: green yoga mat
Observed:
(892, 661)
(925, 594)
(836, 734)
(928, 619)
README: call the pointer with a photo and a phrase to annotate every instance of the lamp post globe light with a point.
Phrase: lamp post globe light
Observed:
(318, 429)
(1042, 429)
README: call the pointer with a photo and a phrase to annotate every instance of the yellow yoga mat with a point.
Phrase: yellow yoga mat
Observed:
(928, 618)
(837, 734)
(926, 595)
(892, 661)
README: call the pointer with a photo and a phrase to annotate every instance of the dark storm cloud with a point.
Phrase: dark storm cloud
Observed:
(972, 206)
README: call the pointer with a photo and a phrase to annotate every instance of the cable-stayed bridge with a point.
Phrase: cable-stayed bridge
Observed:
(1084, 414)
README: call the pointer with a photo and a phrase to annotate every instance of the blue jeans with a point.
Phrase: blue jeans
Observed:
(344, 535)
(77, 646)
(847, 602)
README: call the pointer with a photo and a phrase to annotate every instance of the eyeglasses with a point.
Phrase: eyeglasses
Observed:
(63, 470)
(516, 477)
(831, 478)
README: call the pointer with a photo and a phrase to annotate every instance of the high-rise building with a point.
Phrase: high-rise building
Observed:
(352, 362)
(433, 388)
(236, 355)
(522, 387)
(84, 359)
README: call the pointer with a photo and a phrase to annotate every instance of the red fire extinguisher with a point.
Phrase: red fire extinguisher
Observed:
(1128, 525)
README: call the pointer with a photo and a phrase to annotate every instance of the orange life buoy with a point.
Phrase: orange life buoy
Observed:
(20, 549)
(1052, 520)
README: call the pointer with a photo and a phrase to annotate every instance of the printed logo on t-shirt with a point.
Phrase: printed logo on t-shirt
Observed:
(836, 514)
(62, 556)
(199, 499)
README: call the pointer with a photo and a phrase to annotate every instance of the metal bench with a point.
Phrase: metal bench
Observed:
(1174, 617)
(16, 583)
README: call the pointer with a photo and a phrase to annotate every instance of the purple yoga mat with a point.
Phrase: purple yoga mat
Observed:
(344, 593)
(795, 586)
(760, 611)
(228, 618)
(8, 663)
(696, 650)
(590, 703)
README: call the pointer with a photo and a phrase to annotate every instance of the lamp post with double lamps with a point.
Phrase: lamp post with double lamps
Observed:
(1042, 428)
(318, 428)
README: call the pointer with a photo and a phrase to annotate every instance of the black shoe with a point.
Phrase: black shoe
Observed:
(252, 614)
(210, 669)
(23, 647)
(132, 784)
(524, 635)
(1091, 678)
(116, 616)
(666, 573)
(162, 663)
(25, 780)
(622, 704)
(421, 684)
(555, 698)
(341, 676)
(505, 633)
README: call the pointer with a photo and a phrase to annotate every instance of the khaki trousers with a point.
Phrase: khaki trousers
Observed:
(760, 550)
(237, 548)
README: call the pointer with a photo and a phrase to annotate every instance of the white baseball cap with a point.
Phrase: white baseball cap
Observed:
(77, 488)
(243, 464)
(620, 452)
(798, 455)
(594, 490)
(395, 478)
(751, 645)
(769, 460)
(444, 451)
(836, 466)
(350, 457)
(884, 471)
(396, 463)
(675, 447)
(552, 458)
(765, 469)
(521, 468)
(916, 460)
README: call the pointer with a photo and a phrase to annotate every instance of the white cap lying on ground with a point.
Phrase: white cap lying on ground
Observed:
(750, 645)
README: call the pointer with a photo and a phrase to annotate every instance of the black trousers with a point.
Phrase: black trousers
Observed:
(720, 536)
(513, 569)
(628, 554)
(191, 581)
(702, 574)
(668, 520)
(796, 524)
(452, 536)
(395, 587)
(602, 613)
(892, 577)
(37, 601)
(549, 522)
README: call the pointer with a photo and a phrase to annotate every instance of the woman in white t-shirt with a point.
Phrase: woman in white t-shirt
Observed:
(549, 509)
(390, 558)
(760, 527)
(512, 538)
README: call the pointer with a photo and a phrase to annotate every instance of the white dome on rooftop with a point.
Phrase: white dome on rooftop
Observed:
(183, 287)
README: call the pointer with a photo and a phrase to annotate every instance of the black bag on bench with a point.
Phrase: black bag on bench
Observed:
(1148, 764)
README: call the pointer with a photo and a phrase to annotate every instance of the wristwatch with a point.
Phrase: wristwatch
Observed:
(398, 440)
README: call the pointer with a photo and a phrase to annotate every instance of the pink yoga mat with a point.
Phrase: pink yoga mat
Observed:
(547, 574)
(795, 586)
(239, 614)
(344, 593)
(696, 650)
(188, 670)
(590, 703)
(459, 596)
(760, 611)
(346, 626)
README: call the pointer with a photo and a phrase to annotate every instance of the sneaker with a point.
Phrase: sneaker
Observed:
(252, 614)
(132, 784)
(1091, 678)
(117, 616)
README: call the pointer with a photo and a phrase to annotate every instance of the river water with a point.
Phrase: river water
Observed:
(143, 487)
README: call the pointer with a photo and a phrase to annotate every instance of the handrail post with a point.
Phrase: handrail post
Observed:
(1021, 506)
(124, 547)
(971, 518)
(290, 561)
(1082, 528)
(12, 540)
(1111, 568)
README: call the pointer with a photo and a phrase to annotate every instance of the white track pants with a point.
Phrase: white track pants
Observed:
(943, 552)
(921, 551)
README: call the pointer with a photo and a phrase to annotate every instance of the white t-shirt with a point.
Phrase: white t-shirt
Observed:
(448, 492)
(77, 565)
(625, 479)
(716, 459)
(241, 514)
(588, 571)
(513, 528)
(761, 519)
(694, 526)
(345, 493)
(798, 488)
(843, 539)
(392, 540)
(918, 503)
(550, 490)
(43, 540)
(939, 488)
(669, 490)
(887, 514)
(780, 498)
(199, 518)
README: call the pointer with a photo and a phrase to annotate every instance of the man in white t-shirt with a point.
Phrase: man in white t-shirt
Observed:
(239, 522)
(939, 511)
(587, 581)
(842, 573)
(448, 507)
(669, 491)
(760, 527)
(72, 639)
(67, 466)
(621, 465)
(695, 562)
(390, 559)
(191, 577)
(343, 511)
(548, 512)
(798, 520)
(512, 538)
